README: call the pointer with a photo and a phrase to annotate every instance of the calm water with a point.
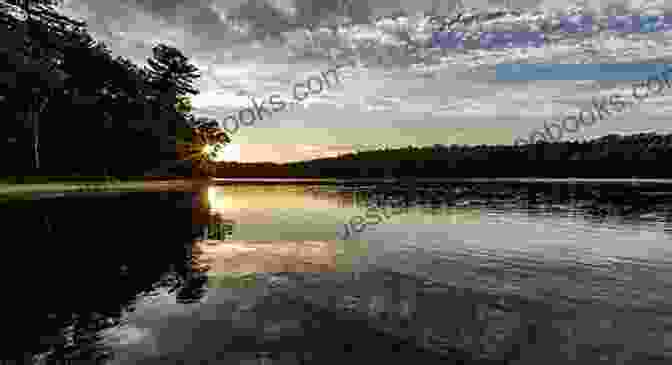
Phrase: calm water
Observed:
(238, 273)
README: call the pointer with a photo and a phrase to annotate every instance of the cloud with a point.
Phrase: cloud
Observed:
(198, 16)
(289, 152)
(258, 48)
(265, 19)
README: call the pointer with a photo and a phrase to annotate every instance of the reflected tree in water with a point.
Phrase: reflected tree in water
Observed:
(190, 279)
(92, 269)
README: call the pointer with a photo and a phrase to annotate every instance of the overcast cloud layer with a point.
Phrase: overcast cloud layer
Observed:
(393, 97)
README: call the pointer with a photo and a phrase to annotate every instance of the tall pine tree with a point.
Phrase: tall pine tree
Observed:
(35, 55)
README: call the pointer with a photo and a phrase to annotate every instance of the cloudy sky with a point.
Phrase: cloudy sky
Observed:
(389, 97)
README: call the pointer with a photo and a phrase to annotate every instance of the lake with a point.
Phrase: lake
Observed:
(273, 272)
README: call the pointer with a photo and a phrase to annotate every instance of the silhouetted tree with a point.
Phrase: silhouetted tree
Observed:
(45, 63)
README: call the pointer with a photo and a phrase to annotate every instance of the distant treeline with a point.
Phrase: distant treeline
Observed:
(70, 107)
(612, 156)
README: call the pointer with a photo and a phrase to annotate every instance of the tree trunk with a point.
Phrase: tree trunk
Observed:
(36, 139)
(34, 114)
(32, 123)
(107, 128)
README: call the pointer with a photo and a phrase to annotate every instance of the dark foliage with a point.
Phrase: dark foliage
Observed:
(71, 104)
(95, 268)
(611, 156)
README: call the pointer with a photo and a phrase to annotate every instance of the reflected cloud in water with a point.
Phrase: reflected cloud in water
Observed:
(185, 275)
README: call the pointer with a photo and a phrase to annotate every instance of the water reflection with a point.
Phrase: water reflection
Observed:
(218, 229)
(93, 268)
(305, 213)
(260, 269)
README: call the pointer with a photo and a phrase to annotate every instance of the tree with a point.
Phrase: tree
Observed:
(35, 56)
(183, 104)
(125, 113)
(172, 77)
(171, 72)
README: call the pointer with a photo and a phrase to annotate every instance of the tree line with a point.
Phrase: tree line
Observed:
(73, 109)
(611, 156)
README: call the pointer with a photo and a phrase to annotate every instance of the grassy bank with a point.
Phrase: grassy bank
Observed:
(28, 187)
(80, 179)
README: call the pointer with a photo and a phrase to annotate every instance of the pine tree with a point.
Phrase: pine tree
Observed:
(35, 54)
(172, 73)
(172, 77)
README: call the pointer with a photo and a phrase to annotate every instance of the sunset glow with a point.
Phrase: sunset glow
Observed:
(230, 152)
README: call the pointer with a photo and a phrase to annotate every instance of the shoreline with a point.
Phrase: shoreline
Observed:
(62, 188)
(439, 180)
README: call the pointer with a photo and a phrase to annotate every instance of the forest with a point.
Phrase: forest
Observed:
(612, 156)
(73, 109)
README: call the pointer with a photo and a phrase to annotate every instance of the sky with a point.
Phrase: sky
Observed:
(443, 97)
